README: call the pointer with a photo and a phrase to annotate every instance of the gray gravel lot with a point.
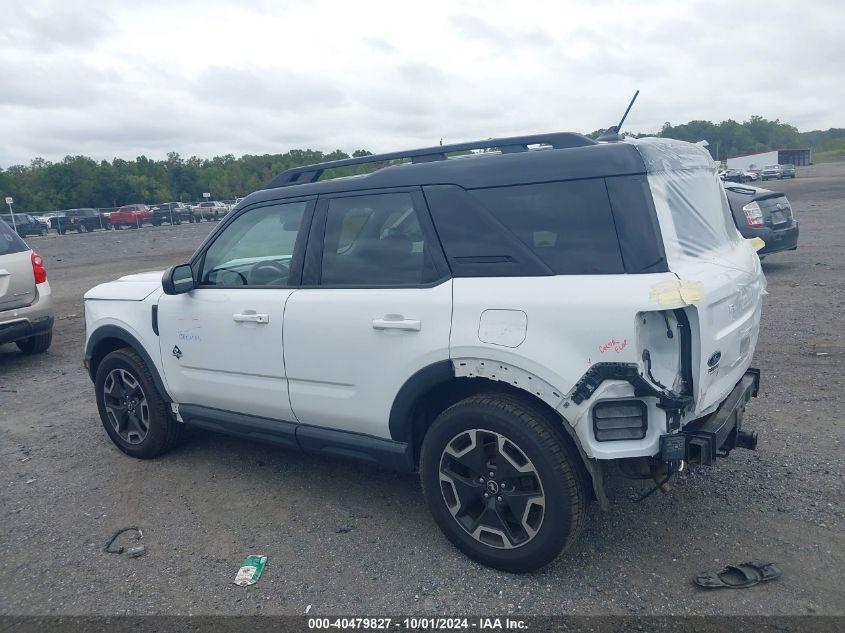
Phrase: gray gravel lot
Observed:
(350, 539)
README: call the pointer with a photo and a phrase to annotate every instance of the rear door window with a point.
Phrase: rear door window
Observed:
(375, 240)
(568, 225)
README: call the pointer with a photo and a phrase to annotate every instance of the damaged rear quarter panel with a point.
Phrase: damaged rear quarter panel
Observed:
(573, 322)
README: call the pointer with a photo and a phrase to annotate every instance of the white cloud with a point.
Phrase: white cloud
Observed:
(113, 79)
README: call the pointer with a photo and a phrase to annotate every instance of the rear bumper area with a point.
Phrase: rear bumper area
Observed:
(781, 240)
(717, 434)
(19, 330)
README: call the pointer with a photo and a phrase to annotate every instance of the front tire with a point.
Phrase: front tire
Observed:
(135, 415)
(503, 483)
(36, 344)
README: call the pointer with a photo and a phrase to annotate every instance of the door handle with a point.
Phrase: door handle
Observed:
(396, 322)
(251, 317)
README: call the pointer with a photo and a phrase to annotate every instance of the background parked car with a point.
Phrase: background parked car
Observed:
(82, 220)
(750, 175)
(24, 224)
(26, 316)
(766, 214)
(44, 218)
(778, 172)
(171, 213)
(212, 210)
(735, 175)
(131, 215)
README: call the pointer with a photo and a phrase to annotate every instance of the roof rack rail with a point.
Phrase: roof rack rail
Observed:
(312, 173)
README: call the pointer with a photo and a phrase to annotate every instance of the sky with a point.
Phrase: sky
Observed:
(123, 79)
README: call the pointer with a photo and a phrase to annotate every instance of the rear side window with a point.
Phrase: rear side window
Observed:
(375, 240)
(10, 242)
(568, 225)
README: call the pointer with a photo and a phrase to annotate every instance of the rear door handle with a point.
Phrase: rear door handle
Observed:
(251, 317)
(396, 322)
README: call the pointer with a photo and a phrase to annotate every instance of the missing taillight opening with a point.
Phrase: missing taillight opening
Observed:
(38, 269)
(753, 214)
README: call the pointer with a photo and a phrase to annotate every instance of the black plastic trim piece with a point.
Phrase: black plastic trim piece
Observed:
(400, 421)
(114, 332)
(598, 373)
(366, 448)
(18, 330)
(624, 401)
(239, 424)
(155, 318)
(311, 439)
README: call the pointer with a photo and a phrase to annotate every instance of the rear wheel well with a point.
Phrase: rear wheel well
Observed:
(443, 395)
(440, 397)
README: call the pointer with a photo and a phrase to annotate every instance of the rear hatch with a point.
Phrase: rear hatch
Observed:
(17, 281)
(777, 212)
(720, 279)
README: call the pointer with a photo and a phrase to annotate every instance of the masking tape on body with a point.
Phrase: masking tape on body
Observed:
(677, 293)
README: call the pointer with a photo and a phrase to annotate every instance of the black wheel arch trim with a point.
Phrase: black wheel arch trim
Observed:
(401, 412)
(105, 332)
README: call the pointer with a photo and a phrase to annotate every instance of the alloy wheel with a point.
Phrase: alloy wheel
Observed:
(126, 406)
(492, 489)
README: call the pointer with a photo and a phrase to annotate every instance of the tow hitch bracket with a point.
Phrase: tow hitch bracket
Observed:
(720, 432)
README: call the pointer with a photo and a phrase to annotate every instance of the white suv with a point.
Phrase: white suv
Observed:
(507, 323)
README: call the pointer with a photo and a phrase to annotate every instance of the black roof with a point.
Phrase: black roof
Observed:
(569, 156)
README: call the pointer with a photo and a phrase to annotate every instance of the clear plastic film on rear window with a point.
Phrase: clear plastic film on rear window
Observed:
(691, 205)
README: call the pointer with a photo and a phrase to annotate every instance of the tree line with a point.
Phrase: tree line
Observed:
(79, 181)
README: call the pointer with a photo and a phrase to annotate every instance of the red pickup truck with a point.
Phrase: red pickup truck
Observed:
(131, 215)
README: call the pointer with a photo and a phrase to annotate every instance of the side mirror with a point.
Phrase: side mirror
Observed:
(178, 280)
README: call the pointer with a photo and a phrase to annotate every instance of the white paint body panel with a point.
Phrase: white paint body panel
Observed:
(343, 372)
(128, 288)
(132, 316)
(226, 363)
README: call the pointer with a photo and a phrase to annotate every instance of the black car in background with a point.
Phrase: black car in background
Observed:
(171, 213)
(765, 214)
(79, 220)
(735, 175)
(24, 224)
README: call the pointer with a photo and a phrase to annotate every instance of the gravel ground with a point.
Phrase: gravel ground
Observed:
(350, 539)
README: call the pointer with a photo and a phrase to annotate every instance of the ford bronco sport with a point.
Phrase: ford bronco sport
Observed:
(507, 323)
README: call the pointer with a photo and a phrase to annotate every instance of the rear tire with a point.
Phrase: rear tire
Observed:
(133, 412)
(536, 496)
(36, 344)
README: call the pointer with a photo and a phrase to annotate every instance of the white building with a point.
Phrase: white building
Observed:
(773, 157)
(753, 161)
